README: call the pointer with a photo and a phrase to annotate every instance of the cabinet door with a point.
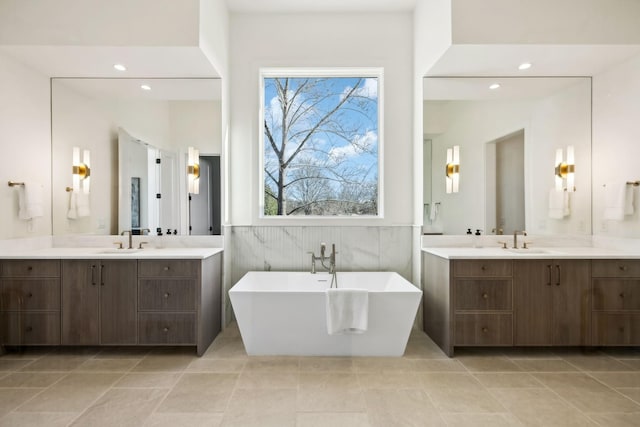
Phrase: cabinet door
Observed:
(533, 288)
(80, 296)
(118, 317)
(571, 302)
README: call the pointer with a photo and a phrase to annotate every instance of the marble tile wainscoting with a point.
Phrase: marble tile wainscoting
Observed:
(284, 248)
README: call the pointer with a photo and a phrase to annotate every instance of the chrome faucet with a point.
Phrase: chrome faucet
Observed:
(130, 237)
(322, 258)
(515, 237)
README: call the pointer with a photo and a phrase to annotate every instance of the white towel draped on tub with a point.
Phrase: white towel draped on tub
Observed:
(347, 311)
(558, 204)
(618, 200)
(30, 201)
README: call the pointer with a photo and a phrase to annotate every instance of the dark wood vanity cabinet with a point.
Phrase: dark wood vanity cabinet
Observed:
(99, 302)
(552, 300)
(30, 302)
(616, 302)
(482, 301)
(505, 302)
(111, 302)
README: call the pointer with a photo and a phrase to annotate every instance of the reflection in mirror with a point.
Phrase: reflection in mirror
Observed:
(204, 207)
(508, 138)
(159, 123)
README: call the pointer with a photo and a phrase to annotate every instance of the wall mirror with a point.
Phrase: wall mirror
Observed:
(508, 140)
(137, 132)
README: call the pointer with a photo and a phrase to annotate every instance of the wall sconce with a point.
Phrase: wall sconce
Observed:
(565, 170)
(81, 170)
(453, 169)
(193, 170)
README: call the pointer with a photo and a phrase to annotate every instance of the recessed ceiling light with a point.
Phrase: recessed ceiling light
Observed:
(494, 86)
(524, 66)
(119, 67)
(145, 87)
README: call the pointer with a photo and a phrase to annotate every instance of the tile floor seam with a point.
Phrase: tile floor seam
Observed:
(615, 389)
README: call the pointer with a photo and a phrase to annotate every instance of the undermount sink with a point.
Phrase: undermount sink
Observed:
(531, 251)
(119, 251)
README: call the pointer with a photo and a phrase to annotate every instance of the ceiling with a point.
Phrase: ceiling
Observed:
(302, 6)
(547, 60)
(161, 89)
(511, 88)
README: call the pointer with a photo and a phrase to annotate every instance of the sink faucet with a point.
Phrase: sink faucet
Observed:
(515, 237)
(130, 237)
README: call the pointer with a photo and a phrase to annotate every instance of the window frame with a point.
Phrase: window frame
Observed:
(312, 72)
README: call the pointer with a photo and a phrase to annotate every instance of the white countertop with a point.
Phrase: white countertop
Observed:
(533, 253)
(112, 253)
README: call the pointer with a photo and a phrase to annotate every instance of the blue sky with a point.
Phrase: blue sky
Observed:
(350, 146)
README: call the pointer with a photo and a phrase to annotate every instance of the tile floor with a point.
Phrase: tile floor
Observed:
(225, 387)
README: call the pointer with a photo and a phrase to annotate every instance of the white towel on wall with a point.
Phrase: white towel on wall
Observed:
(84, 209)
(30, 201)
(347, 311)
(618, 200)
(558, 204)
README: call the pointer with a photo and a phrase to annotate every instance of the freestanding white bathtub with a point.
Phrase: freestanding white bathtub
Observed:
(284, 313)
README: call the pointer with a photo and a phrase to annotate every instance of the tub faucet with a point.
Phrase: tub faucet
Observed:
(322, 258)
(515, 237)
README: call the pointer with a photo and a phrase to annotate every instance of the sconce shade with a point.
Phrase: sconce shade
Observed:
(452, 170)
(193, 170)
(565, 170)
(81, 170)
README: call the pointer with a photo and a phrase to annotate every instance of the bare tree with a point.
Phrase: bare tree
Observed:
(302, 111)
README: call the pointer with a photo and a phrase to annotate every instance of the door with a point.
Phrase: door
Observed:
(118, 310)
(80, 297)
(571, 302)
(204, 207)
(533, 302)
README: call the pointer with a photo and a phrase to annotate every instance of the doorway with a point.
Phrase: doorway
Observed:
(204, 207)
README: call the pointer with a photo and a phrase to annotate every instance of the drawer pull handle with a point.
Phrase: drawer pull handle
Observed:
(621, 294)
(623, 267)
(28, 329)
(549, 281)
(167, 294)
(30, 268)
(30, 295)
(165, 329)
(485, 330)
(621, 329)
(166, 268)
(485, 295)
(483, 268)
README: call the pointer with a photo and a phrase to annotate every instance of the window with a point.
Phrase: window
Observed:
(321, 143)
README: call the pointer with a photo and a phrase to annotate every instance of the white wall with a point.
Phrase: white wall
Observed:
(616, 142)
(24, 144)
(322, 40)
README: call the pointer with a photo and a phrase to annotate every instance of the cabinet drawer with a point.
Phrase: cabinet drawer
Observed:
(616, 294)
(484, 329)
(490, 294)
(167, 328)
(168, 268)
(30, 294)
(31, 268)
(30, 328)
(482, 268)
(616, 329)
(166, 295)
(615, 268)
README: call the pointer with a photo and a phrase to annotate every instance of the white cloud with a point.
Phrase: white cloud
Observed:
(360, 144)
(367, 90)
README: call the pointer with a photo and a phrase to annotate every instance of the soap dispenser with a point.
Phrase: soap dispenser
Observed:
(477, 239)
